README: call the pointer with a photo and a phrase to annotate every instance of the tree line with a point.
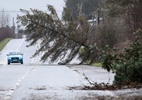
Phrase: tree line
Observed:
(5, 29)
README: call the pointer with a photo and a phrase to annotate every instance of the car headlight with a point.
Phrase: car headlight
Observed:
(9, 58)
(21, 58)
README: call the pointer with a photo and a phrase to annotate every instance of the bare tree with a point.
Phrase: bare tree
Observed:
(4, 18)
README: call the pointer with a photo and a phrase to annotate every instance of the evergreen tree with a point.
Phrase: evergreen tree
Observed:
(58, 37)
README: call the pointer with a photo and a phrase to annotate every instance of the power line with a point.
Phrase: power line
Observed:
(12, 11)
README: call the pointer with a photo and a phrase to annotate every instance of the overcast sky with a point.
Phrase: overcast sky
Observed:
(13, 6)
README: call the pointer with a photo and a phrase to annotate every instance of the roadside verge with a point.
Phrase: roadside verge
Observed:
(4, 42)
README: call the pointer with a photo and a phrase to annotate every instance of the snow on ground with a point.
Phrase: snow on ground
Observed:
(56, 89)
(95, 74)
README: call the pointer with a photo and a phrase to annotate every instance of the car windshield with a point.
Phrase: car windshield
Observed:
(14, 53)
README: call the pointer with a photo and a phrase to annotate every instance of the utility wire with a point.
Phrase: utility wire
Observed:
(12, 11)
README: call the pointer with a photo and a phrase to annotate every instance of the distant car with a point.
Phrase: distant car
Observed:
(14, 57)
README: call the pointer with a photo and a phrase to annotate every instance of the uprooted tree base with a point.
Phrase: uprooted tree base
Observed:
(103, 86)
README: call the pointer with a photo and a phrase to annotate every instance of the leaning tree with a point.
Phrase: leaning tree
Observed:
(59, 38)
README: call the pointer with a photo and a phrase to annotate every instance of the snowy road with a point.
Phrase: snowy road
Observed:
(36, 81)
(17, 79)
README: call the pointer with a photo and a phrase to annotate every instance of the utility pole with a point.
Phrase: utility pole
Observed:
(80, 9)
(13, 28)
(80, 13)
(97, 15)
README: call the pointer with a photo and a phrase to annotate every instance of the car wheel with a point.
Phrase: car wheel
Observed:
(8, 63)
(22, 62)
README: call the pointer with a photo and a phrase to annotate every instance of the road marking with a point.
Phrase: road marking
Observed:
(17, 84)
(20, 45)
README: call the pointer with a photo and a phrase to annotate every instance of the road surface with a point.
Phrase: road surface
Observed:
(36, 81)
